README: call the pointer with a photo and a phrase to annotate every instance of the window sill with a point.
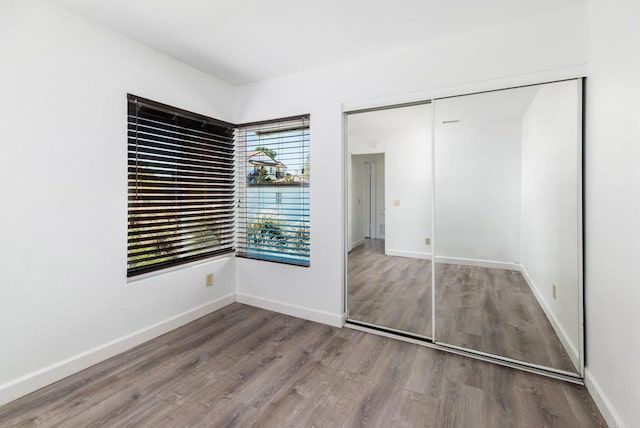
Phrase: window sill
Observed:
(190, 265)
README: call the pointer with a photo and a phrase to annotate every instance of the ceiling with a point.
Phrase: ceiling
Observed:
(485, 107)
(390, 120)
(242, 41)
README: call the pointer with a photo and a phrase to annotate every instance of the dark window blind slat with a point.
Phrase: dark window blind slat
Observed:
(172, 151)
(146, 118)
(273, 176)
(152, 136)
(157, 214)
(181, 186)
(148, 165)
(174, 244)
(183, 181)
(150, 233)
(144, 135)
(174, 175)
(170, 211)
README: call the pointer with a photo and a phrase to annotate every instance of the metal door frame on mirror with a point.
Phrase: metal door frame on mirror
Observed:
(411, 121)
(433, 342)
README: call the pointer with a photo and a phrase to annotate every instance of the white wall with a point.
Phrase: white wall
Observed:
(613, 209)
(406, 144)
(477, 173)
(408, 183)
(540, 48)
(64, 297)
(550, 210)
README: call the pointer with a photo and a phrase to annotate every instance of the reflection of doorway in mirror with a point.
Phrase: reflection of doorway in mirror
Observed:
(374, 198)
(369, 206)
(367, 198)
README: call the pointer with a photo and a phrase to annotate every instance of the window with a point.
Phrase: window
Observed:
(273, 190)
(181, 186)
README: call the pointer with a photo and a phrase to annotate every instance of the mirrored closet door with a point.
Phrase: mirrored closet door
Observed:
(508, 228)
(389, 181)
(485, 191)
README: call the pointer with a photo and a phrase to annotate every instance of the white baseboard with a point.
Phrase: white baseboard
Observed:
(357, 243)
(33, 381)
(609, 414)
(323, 317)
(454, 260)
(412, 254)
(478, 263)
(573, 352)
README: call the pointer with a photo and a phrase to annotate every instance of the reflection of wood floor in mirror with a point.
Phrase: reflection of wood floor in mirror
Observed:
(489, 310)
(389, 291)
(494, 311)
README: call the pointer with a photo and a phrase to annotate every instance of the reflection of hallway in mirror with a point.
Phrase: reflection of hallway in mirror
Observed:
(494, 311)
(392, 292)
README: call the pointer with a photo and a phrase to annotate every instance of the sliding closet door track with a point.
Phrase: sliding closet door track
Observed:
(430, 343)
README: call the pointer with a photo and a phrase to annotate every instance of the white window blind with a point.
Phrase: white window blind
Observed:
(273, 190)
(181, 186)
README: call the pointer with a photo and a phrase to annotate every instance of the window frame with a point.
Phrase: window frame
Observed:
(297, 233)
(236, 168)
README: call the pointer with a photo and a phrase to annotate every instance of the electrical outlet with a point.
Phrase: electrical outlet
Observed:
(427, 241)
(396, 202)
(554, 291)
(209, 280)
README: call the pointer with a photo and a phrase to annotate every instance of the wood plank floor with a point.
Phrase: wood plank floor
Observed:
(243, 366)
(489, 310)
